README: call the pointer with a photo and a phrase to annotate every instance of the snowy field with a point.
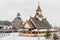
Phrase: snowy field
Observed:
(20, 38)
(14, 36)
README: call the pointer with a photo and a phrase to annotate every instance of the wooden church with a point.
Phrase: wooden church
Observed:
(35, 26)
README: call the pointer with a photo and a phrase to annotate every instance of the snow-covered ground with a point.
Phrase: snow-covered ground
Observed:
(20, 38)
(14, 36)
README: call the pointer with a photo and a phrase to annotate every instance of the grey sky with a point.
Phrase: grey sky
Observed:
(50, 9)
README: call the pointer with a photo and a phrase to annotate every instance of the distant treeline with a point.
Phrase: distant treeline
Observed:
(7, 23)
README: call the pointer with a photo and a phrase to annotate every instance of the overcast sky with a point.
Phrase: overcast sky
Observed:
(50, 9)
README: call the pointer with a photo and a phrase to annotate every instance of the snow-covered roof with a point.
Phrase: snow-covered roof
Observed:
(44, 30)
